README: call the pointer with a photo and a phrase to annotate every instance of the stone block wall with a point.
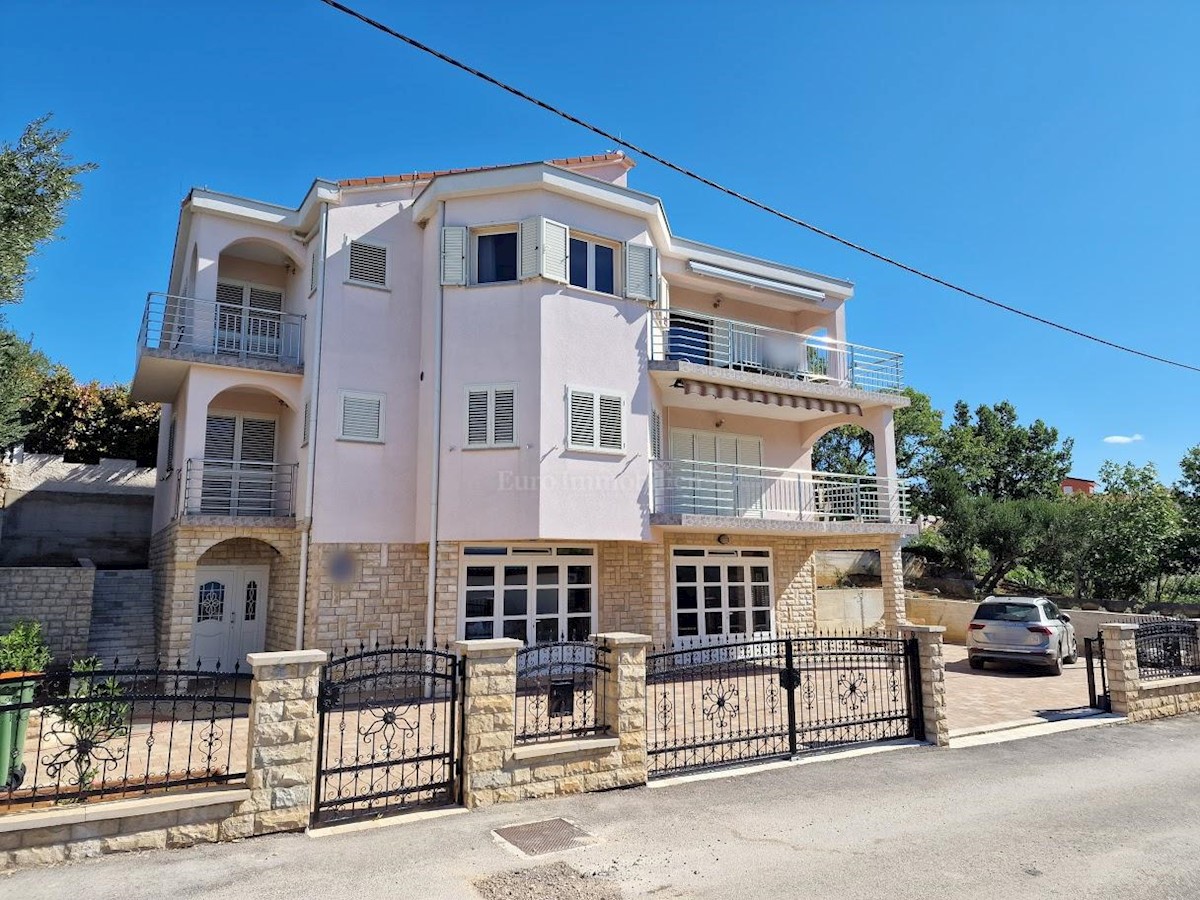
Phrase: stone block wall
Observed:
(933, 681)
(59, 598)
(177, 550)
(632, 592)
(381, 596)
(1134, 697)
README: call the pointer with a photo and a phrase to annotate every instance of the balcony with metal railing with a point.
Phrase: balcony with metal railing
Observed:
(177, 331)
(222, 487)
(693, 337)
(687, 491)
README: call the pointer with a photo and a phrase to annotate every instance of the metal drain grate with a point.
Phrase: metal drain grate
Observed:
(549, 836)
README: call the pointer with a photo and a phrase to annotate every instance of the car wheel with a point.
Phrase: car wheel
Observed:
(1056, 667)
(1073, 657)
(975, 662)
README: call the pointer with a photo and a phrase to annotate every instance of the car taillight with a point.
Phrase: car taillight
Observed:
(976, 626)
(1040, 629)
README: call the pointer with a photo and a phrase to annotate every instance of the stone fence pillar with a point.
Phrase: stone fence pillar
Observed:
(933, 681)
(489, 718)
(1120, 661)
(891, 575)
(282, 745)
(624, 704)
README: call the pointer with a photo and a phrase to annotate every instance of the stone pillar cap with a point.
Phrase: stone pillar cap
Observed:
(923, 629)
(1123, 626)
(287, 657)
(623, 638)
(488, 647)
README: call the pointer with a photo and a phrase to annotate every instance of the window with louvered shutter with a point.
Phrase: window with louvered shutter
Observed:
(454, 254)
(610, 411)
(307, 416)
(230, 293)
(362, 417)
(368, 264)
(478, 401)
(257, 441)
(312, 275)
(581, 429)
(219, 437)
(171, 446)
(641, 272)
(491, 416)
(529, 252)
(656, 444)
(266, 299)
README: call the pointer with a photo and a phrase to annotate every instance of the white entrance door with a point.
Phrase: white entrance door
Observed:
(231, 608)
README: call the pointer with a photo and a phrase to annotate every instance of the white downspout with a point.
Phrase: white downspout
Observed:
(314, 403)
(436, 461)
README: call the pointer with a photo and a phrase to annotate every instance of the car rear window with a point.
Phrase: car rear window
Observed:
(1007, 612)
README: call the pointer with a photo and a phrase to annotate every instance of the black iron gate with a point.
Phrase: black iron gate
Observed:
(389, 733)
(1093, 654)
(716, 705)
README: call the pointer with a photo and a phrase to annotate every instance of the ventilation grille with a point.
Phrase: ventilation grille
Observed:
(368, 264)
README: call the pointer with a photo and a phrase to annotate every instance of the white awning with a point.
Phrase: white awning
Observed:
(770, 284)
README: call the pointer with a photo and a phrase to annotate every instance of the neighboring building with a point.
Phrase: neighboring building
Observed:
(606, 426)
(1077, 486)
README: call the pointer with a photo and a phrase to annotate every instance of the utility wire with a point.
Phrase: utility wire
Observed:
(737, 195)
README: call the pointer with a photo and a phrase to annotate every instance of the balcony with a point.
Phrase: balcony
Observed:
(692, 337)
(177, 331)
(685, 490)
(221, 487)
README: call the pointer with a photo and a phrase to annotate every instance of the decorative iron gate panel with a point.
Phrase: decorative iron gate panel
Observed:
(389, 733)
(733, 702)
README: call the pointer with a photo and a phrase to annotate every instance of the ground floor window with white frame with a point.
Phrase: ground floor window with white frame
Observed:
(534, 594)
(723, 591)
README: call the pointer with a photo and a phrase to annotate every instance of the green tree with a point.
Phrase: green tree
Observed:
(851, 448)
(995, 456)
(1131, 531)
(22, 370)
(37, 181)
(84, 422)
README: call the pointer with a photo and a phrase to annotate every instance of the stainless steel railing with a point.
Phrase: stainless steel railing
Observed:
(221, 487)
(222, 330)
(708, 340)
(716, 489)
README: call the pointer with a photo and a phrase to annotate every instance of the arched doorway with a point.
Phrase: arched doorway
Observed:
(232, 586)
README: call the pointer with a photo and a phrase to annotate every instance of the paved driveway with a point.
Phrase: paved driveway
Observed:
(1008, 693)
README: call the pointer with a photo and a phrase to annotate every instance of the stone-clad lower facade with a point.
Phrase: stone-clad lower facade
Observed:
(377, 592)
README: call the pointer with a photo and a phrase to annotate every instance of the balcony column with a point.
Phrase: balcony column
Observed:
(839, 360)
(882, 426)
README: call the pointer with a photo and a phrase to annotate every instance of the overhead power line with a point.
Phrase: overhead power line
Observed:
(737, 195)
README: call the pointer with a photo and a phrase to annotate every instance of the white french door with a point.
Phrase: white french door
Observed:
(248, 319)
(726, 480)
(239, 466)
(231, 614)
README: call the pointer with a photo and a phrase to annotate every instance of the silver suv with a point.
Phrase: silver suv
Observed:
(1021, 629)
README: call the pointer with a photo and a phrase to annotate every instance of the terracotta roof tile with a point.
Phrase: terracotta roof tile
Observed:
(611, 156)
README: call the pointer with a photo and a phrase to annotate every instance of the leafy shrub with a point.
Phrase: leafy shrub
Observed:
(24, 648)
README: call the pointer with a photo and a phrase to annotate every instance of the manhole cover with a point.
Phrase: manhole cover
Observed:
(549, 836)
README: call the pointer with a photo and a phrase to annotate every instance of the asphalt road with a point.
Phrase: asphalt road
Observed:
(1101, 812)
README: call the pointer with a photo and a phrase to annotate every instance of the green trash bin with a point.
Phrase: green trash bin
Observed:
(15, 689)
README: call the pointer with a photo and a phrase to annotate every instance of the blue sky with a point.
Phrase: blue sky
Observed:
(1042, 153)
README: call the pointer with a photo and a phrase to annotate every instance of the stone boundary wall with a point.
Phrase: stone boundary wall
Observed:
(955, 615)
(277, 796)
(855, 610)
(58, 597)
(497, 770)
(1131, 696)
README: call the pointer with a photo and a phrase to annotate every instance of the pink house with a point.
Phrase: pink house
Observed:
(506, 401)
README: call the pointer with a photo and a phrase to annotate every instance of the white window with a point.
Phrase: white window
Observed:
(533, 594)
(362, 417)
(595, 420)
(721, 592)
(491, 416)
(368, 264)
(593, 264)
(494, 254)
(312, 275)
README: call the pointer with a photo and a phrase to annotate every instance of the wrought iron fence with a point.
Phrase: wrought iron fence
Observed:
(1167, 649)
(560, 690)
(741, 700)
(88, 731)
